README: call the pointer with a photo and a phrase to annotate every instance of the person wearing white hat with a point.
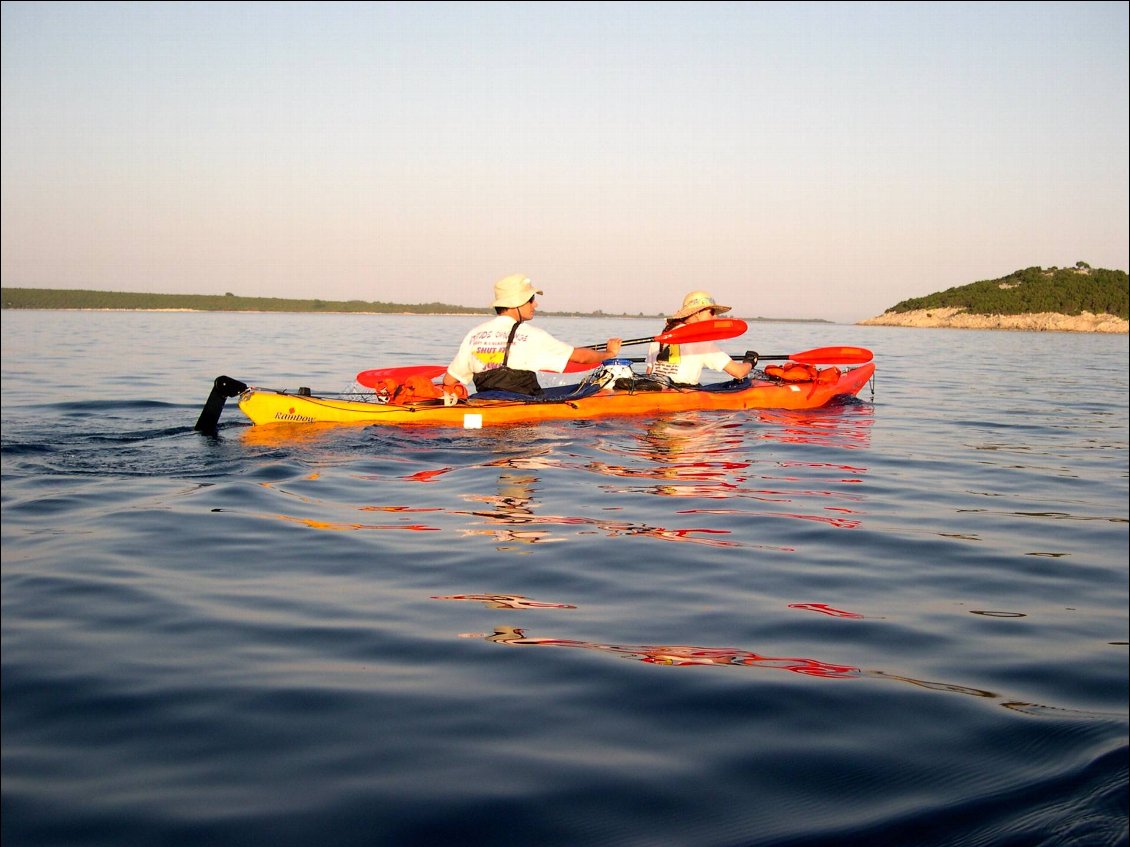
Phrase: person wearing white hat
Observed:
(683, 363)
(505, 352)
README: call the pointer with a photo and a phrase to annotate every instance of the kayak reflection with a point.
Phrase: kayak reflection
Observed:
(706, 455)
(675, 654)
(512, 518)
(682, 655)
(505, 601)
(511, 508)
(845, 426)
(687, 456)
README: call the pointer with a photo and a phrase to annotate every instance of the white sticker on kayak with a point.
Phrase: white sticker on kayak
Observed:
(472, 421)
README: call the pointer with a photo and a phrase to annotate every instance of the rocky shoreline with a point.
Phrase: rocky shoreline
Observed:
(953, 318)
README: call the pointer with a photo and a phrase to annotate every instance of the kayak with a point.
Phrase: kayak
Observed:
(265, 406)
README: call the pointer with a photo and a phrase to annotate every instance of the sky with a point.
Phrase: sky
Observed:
(795, 160)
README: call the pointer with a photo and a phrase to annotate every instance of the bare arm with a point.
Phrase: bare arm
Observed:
(588, 356)
(738, 370)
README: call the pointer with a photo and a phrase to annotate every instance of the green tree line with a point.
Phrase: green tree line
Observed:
(1065, 291)
(72, 298)
(69, 298)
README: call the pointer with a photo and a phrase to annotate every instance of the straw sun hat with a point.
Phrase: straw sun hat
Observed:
(512, 291)
(696, 301)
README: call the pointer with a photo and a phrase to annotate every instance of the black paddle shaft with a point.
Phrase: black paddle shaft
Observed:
(750, 356)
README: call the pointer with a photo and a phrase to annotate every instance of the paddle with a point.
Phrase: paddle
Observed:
(817, 356)
(713, 330)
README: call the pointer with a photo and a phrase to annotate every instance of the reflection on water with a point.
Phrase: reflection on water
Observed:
(682, 655)
(426, 476)
(824, 609)
(846, 427)
(693, 436)
(686, 455)
(505, 601)
(283, 435)
(673, 654)
(698, 456)
(340, 526)
(705, 456)
(512, 506)
(512, 519)
(542, 533)
(832, 521)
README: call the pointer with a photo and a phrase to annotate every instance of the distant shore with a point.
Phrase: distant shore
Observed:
(404, 313)
(953, 318)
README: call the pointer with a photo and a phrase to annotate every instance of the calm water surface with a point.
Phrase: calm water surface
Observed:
(902, 620)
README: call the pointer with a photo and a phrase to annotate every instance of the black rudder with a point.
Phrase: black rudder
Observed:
(223, 388)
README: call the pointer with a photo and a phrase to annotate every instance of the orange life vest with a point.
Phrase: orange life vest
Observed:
(414, 389)
(797, 372)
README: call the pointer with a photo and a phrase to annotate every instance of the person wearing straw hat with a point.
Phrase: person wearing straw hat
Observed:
(683, 363)
(505, 353)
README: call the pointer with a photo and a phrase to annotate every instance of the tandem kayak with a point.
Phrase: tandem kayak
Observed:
(265, 406)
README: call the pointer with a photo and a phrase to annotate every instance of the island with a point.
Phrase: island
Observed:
(1078, 299)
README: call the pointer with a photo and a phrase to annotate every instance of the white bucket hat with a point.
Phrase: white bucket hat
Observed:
(696, 301)
(512, 291)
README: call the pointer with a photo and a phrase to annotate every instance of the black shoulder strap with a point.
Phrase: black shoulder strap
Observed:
(509, 341)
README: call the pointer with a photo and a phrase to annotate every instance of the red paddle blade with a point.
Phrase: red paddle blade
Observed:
(833, 356)
(714, 330)
(372, 378)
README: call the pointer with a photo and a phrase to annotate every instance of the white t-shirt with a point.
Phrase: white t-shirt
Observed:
(686, 361)
(484, 348)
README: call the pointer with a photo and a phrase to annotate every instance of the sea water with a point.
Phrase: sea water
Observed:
(898, 620)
